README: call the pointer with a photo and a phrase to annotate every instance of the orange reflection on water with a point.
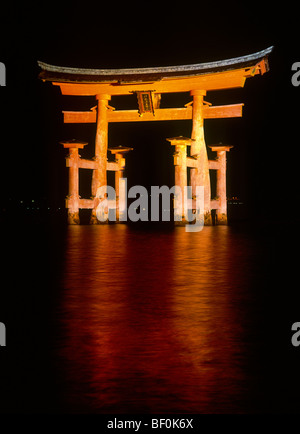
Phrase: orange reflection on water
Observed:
(206, 319)
(153, 321)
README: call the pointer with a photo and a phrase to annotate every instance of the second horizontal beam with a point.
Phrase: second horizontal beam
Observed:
(168, 114)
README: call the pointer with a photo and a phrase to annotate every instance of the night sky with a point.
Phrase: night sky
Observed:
(128, 35)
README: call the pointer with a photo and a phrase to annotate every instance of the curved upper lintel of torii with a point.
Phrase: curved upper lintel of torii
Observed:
(220, 74)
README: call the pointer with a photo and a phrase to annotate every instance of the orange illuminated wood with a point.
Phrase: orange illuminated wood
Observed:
(263, 65)
(69, 144)
(215, 204)
(82, 203)
(221, 182)
(213, 164)
(91, 164)
(149, 84)
(200, 176)
(72, 161)
(180, 162)
(86, 203)
(209, 112)
(223, 111)
(73, 117)
(191, 162)
(87, 164)
(159, 115)
(214, 81)
(113, 166)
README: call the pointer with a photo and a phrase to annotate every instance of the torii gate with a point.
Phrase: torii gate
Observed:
(149, 84)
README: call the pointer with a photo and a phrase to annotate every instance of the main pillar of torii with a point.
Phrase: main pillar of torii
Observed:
(100, 173)
(200, 173)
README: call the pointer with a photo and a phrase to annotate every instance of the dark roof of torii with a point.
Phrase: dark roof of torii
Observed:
(81, 75)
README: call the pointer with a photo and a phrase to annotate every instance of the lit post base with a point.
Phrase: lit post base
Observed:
(221, 218)
(93, 219)
(182, 222)
(73, 218)
(207, 219)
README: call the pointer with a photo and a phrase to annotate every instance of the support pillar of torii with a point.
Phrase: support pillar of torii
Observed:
(73, 198)
(180, 163)
(119, 152)
(221, 182)
(74, 162)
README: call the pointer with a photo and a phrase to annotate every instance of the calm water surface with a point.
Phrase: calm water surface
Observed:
(159, 321)
(131, 319)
